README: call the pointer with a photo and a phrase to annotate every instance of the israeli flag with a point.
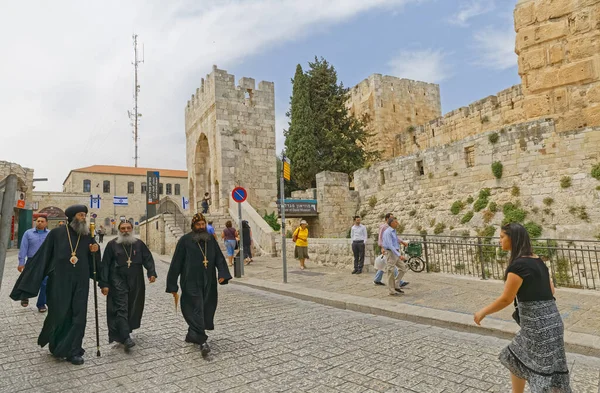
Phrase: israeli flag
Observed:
(95, 201)
(185, 203)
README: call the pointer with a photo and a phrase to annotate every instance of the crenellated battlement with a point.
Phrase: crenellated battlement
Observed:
(220, 85)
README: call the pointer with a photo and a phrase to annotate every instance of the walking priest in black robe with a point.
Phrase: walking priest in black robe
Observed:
(66, 258)
(199, 261)
(122, 280)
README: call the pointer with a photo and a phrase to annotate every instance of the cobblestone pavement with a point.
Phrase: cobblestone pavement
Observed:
(263, 343)
(580, 309)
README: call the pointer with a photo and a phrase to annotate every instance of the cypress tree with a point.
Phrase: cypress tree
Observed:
(301, 141)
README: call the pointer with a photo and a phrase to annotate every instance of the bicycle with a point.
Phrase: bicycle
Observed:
(414, 261)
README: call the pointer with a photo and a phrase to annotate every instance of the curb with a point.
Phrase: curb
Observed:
(580, 343)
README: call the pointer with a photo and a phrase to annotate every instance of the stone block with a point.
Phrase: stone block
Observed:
(524, 15)
(583, 47)
(556, 54)
(542, 80)
(551, 9)
(580, 22)
(533, 59)
(534, 35)
(559, 100)
(593, 94)
(537, 106)
(577, 72)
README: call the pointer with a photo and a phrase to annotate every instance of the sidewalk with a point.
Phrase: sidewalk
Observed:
(432, 298)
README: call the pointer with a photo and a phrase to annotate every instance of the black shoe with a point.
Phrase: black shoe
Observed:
(128, 344)
(25, 302)
(354, 271)
(204, 349)
(405, 283)
(399, 290)
(76, 360)
(359, 271)
(378, 283)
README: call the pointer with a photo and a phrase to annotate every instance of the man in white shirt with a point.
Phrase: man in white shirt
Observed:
(358, 234)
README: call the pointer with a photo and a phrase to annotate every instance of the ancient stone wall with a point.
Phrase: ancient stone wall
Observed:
(330, 252)
(558, 43)
(154, 234)
(230, 139)
(24, 176)
(487, 114)
(538, 162)
(392, 106)
(336, 205)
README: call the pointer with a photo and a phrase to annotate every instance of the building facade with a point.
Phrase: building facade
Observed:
(109, 184)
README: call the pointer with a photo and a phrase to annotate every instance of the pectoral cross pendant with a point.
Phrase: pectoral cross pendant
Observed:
(205, 263)
(128, 263)
(73, 259)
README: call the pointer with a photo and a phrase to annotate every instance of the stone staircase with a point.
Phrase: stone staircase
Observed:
(172, 227)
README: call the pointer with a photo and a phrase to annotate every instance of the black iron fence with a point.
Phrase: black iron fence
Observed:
(572, 263)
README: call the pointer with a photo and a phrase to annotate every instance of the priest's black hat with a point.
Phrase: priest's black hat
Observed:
(72, 210)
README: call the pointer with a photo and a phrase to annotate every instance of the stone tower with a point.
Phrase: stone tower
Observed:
(230, 141)
(558, 44)
(393, 106)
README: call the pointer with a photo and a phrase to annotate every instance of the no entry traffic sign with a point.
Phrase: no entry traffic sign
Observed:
(239, 194)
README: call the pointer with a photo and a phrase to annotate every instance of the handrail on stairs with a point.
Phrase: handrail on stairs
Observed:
(168, 206)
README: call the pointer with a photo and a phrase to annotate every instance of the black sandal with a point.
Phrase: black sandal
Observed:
(25, 302)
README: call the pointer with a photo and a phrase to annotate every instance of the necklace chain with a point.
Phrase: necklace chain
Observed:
(204, 253)
(130, 251)
(73, 251)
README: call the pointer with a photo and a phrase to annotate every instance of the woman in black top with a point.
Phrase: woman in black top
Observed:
(247, 236)
(537, 353)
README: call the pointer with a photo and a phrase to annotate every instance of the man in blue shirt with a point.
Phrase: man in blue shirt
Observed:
(210, 229)
(30, 244)
(392, 254)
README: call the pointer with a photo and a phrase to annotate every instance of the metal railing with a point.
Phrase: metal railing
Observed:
(167, 206)
(572, 263)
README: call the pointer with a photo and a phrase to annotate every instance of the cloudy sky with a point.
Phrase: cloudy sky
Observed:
(66, 78)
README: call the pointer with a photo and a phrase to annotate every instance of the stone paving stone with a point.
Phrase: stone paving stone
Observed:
(262, 343)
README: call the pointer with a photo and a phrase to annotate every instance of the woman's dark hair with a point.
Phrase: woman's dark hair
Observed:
(228, 224)
(520, 244)
(245, 224)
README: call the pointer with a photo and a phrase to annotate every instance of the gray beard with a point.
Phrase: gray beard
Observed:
(198, 236)
(126, 239)
(80, 227)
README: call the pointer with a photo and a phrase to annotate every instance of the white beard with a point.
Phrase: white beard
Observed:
(126, 238)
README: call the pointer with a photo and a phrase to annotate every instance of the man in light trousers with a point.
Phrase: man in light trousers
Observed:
(392, 253)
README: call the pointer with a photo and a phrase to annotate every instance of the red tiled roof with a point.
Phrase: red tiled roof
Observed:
(128, 170)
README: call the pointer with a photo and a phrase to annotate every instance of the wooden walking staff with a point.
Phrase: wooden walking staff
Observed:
(92, 227)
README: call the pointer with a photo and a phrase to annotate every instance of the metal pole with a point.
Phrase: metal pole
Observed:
(8, 203)
(241, 259)
(283, 239)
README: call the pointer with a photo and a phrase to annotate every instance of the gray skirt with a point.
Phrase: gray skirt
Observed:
(301, 252)
(537, 353)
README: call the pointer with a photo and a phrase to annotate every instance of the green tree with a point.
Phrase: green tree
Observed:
(341, 136)
(301, 139)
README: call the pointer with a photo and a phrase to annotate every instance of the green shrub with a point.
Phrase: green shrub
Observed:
(439, 228)
(597, 188)
(516, 191)
(485, 119)
(373, 201)
(455, 174)
(497, 169)
(580, 212)
(485, 193)
(412, 213)
(363, 214)
(289, 234)
(432, 222)
(465, 233)
(547, 211)
(459, 266)
(493, 207)
(430, 175)
(431, 206)
(548, 201)
(480, 204)
(596, 171)
(470, 199)
(467, 217)
(493, 138)
(565, 181)
(545, 249)
(513, 213)
(456, 207)
(487, 232)
(411, 129)
(563, 278)
(533, 229)
(535, 210)
(271, 219)
(423, 232)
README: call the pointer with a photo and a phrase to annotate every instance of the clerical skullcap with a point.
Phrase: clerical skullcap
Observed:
(197, 217)
(73, 210)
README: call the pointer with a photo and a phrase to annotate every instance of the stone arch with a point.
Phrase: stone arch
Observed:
(202, 170)
(54, 215)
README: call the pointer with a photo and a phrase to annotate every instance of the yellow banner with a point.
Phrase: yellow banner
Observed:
(286, 169)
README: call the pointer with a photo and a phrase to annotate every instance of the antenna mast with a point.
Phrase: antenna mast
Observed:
(135, 115)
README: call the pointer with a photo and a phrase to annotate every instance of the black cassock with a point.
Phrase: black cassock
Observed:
(198, 283)
(127, 286)
(67, 289)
